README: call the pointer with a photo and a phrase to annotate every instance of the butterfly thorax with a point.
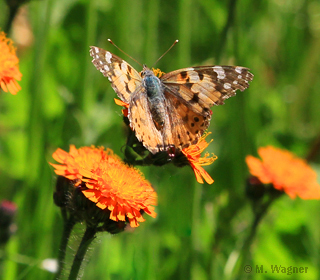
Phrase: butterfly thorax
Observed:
(155, 96)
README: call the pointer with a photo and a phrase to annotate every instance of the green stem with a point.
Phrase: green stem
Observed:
(245, 251)
(68, 226)
(88, 237)
(258, 217)
(196, 224)
(314, 150)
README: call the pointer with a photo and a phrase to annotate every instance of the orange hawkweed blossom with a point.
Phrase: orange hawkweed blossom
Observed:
(9, 69)
(285, 172)
(157, 72)
(123, 104)
(110, 183)
(193, 154)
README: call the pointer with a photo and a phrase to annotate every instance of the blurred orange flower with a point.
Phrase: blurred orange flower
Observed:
(110, 183)
(286, 172)
(193, 154)
(9, 69)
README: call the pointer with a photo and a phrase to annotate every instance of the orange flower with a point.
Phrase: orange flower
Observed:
(111, 184)
(123, 104)
(9, 69)
(193, 155)
(158, 72)
(285, 171)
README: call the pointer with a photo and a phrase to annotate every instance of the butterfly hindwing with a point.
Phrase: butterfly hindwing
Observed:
(142, 123)
(123, 77)
(186, 126)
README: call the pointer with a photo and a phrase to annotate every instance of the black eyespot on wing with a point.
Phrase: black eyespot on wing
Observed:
(184, 74)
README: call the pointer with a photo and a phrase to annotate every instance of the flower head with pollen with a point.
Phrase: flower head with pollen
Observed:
(285, 172)
(109, 183)
(193, 154)
(157, 72)
(9, 69)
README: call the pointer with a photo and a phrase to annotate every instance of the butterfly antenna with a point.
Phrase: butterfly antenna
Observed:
(110, 41)
(176, 41)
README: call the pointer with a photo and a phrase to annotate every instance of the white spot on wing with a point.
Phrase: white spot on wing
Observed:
(124, 66)
(227, 86)
(194, 77)
(121, 79)
(106, 67)
(108, 57)
(238, 70)
(96, 49)
(239, 77)
(235, 82)
(220, 72)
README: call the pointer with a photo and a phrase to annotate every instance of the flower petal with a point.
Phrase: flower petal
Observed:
(193, 154)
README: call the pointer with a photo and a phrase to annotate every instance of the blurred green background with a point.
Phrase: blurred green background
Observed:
(200, 229)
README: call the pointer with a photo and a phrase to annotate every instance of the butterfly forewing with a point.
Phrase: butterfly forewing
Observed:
(123, 77)
(204, 86)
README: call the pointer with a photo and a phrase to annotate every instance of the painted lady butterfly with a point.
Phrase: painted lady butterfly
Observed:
(171, 111)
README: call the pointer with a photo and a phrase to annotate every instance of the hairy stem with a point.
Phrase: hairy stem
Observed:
(88, 237)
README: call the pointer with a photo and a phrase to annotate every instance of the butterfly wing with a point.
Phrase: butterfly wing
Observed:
(185, 125)
(201, 87)
(123, 77)
(142, 123)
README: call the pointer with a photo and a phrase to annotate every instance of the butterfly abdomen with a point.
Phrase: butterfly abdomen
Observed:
(156, 100)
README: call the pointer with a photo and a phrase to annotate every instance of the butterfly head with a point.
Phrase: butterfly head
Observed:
(146, 71)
